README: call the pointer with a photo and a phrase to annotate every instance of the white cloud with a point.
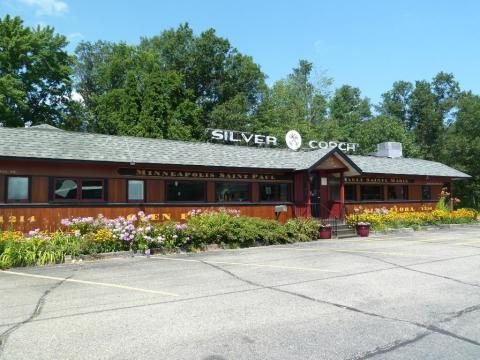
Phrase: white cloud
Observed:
(75, 36)
(48, 7)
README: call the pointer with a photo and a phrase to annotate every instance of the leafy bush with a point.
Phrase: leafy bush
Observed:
(35, 248)
(233, 230)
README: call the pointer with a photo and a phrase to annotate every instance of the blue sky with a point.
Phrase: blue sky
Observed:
(368, 44)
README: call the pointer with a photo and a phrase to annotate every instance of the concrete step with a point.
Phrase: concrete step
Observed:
(346, 236)
(345, 231)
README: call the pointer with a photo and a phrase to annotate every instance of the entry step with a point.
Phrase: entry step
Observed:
(345, 231)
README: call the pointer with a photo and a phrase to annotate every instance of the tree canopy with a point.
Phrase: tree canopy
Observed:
(35, 75)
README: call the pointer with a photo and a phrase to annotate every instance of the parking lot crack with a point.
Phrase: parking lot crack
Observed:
(431, 328)
(415, 270)
(462, 312)
(397, 344)
(36, 312)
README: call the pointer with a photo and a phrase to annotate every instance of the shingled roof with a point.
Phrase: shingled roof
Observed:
(47, 142)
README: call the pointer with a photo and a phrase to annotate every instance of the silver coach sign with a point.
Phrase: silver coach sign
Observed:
(293, 140)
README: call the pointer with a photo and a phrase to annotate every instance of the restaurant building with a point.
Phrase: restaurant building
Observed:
(47, 174)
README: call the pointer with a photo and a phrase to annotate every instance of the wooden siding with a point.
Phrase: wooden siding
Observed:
(3, 188)
(40, 189)
(24, 218)
(117, 190)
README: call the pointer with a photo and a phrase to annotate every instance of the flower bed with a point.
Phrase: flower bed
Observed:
(89, 235)
(381, 219)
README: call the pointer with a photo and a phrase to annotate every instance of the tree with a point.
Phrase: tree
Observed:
(397, 102)
(462, 148)
(348, 109)
(177, 84)
(35, 70)
(295, 102)
(384, 128)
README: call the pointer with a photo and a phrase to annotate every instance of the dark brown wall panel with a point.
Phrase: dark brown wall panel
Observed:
(210, 191)
(255, 192)
(436, 191)
(155, 190)
(415, 192)
(2, 188)
(39, 189)
(117, 190)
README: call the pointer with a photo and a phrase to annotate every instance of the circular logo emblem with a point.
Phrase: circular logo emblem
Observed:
(293, 140)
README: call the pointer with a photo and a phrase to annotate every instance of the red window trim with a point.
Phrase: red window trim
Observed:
(144, 191)
(79, 182)
(22, 201)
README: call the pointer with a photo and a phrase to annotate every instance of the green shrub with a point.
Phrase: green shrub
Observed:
(243, 231)
(37, 248)
(92, 236)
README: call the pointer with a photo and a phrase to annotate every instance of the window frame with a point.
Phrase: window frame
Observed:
(429, 187)
(249, 187)
(144, 191)
(289, 192)
(79, 190)
(204, 199)
(29, 190)
(354, 187)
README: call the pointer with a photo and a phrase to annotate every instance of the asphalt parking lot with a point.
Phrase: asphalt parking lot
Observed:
(407, 296)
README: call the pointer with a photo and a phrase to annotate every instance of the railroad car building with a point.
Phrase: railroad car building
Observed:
(47, 174)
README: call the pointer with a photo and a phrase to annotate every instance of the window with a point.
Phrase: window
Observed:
(426, 192)
(185, 191)
(274, 192)
(333, 189)
(92, 189)
(350, 192)
(78, 190)
(371, 192)
(225, 192)
(397, 192)
(136, 190)
(17, 189)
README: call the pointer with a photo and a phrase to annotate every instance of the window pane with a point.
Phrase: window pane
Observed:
(334, 189)
(135, 190)
(372, 192)
(185, 191)
(66, 189)
(397, 192)
(426, 192)
(392, 192)
(350, 192)
(232, 192)
(274, 192)
(17, 189)
(92, 189)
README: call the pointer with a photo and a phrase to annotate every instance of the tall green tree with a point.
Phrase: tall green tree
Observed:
(296, 102)
(348, 109)
(397, 102)
(205, 81)
(462, 148)
(35, 75)
(384, 128)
